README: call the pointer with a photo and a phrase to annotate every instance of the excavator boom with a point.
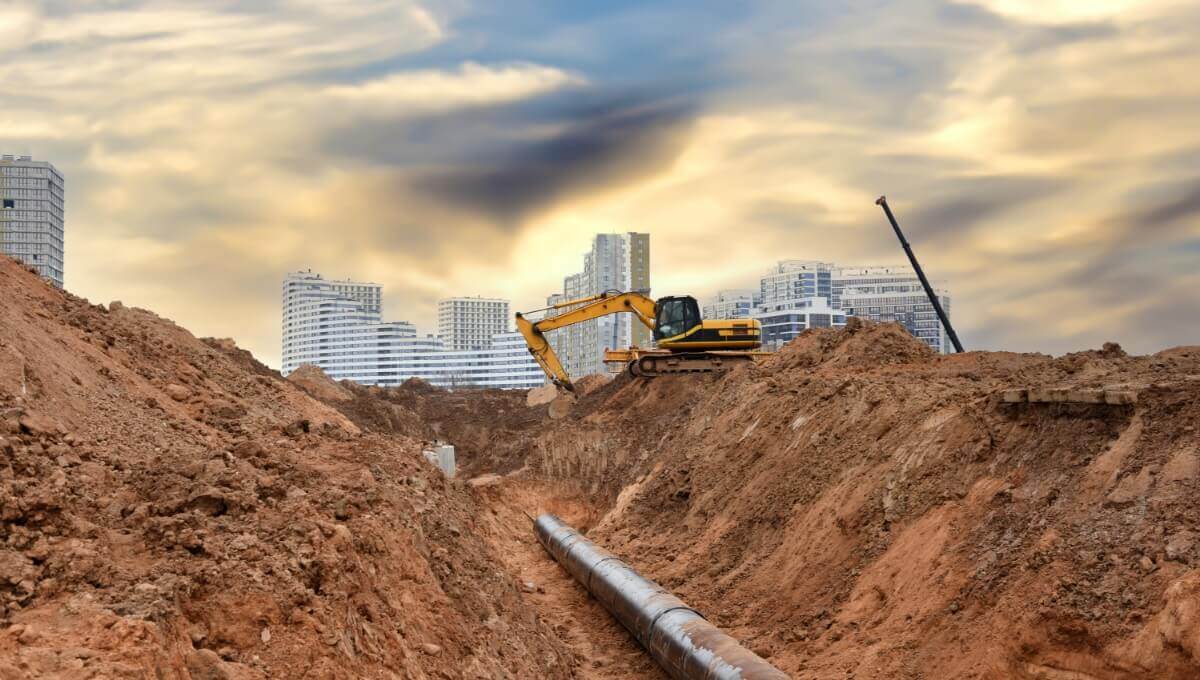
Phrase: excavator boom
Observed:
(583, 309)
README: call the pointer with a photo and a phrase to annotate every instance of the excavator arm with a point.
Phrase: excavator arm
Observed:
(583, 309)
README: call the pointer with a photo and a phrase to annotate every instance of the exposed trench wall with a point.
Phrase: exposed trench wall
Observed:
(859, 506)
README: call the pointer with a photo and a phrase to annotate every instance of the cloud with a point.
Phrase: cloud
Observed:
(1171, 211)
(617, 144)
(432, 89)
(1041, 155)
(160, 49)
(1070, 11)
(17, 23)
(959, 206)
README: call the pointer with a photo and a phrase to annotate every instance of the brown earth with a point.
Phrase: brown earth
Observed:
(860, 507)
(170, 508)
(489, 428)
(856, 506)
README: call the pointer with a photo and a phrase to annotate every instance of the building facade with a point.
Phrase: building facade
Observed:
(784, 320)
(796, 295)
(619, 262)
(893, 293)
(874, 275)
(793, 296)
(337, 326)
(504, 364)
(32, 201)
(796, 280)
(733, 303)
(470, 322)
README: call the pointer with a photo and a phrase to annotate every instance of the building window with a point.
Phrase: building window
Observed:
(9, 203)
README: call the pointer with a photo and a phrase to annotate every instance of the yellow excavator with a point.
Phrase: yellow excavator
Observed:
(685, 343)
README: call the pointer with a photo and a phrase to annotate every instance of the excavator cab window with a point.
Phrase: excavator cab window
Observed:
(674, 316)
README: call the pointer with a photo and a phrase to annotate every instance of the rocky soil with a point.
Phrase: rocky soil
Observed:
(860, 507)
(171, 508)
(854, 507)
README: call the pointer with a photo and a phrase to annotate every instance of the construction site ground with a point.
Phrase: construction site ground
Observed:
(856, 506)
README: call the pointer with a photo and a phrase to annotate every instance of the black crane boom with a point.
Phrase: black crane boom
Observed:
(933, 299)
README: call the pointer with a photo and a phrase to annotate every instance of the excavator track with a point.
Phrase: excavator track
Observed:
(666, 363)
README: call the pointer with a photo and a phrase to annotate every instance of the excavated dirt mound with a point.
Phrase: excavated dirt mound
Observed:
(313, 380)
(858, 506)
(367, 407)
(855, 506)
(171, 508)
(490, 428)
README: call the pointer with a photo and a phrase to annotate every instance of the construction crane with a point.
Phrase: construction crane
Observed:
(912, 258)
(685, 343)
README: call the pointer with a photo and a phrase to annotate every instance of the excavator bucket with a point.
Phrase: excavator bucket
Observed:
(560, 400)
(562, 404)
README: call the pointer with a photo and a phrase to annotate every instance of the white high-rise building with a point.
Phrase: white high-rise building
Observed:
(783, 321)
(796, 295)
(892, 293)
(32, 200)
(733, 303)
(872, 275)
(793, 297)
(795, 280)
(504, 364)
(619, 262)
(337, 326)
(470, 322)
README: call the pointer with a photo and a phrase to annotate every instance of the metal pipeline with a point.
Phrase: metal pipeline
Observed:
(677, 636)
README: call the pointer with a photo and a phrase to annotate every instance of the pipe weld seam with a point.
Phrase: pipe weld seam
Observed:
(650, 628)
(592, 569)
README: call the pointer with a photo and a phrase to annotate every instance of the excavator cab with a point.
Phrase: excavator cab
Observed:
(674, 316)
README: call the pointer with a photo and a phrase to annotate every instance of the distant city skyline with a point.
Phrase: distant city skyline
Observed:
(795, 295)
(1042, 157)
(338, 326)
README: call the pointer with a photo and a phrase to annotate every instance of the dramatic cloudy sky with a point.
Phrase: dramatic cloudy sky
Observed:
(1043, 154)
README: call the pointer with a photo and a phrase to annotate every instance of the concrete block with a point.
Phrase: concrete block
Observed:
(446, 460)
(442, 456)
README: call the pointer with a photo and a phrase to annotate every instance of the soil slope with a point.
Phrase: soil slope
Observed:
(860, 507)
(171, 508)
(856, 506)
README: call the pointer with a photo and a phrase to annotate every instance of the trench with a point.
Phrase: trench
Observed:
(603, 649)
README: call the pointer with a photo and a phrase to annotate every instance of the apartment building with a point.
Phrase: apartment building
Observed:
(337, 326)
(795, 295)
(893, 293)
(733, 303)
(618, 262)
(32, 202)
(796, 280)
(783, 320)
(466, 323)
